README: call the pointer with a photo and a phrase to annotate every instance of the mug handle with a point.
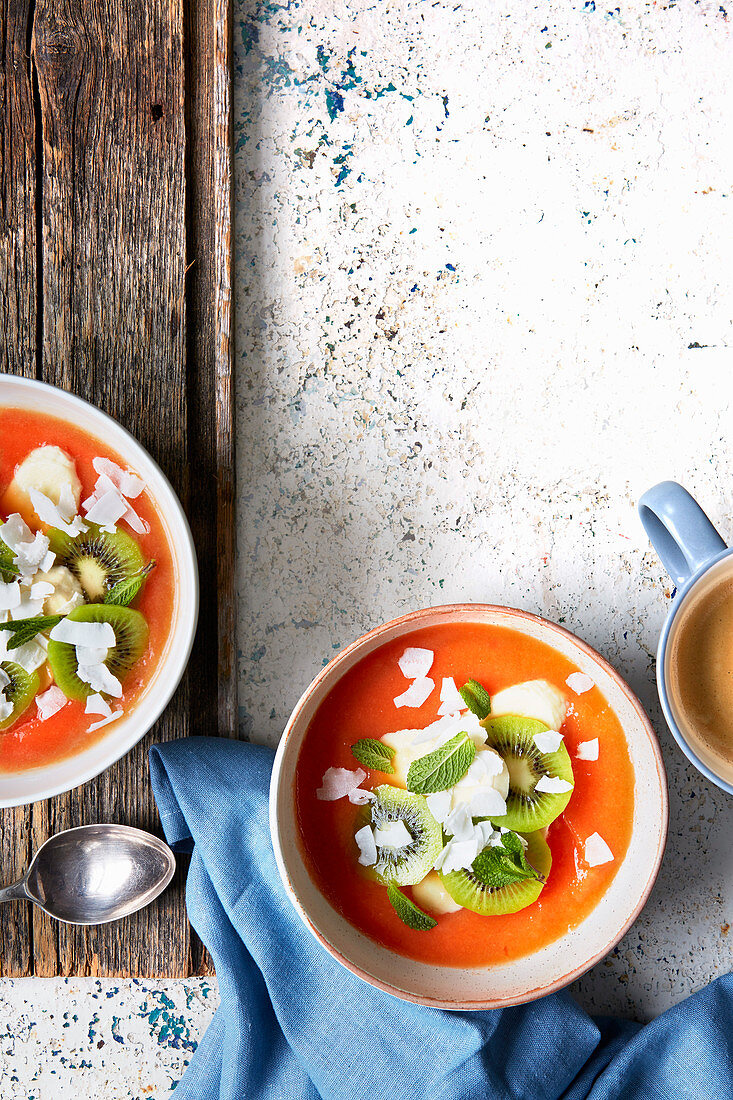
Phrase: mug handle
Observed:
(679, 530)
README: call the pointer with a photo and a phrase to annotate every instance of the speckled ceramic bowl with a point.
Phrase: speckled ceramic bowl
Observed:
(18, 788)
(553, 966)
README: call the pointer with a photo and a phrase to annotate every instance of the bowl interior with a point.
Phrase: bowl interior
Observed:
(522, 979)
(18, 788)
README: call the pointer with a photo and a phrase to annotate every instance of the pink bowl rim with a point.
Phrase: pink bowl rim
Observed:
(451, 612)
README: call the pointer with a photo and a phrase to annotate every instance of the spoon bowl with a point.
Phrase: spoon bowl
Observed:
(95, 874)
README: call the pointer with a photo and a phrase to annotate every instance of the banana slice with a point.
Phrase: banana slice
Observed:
(532, 699)
(49, 470)
(67, 592)
(432, 895)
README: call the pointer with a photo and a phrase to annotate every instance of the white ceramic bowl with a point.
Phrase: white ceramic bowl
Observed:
(553, 966)
(18, 788)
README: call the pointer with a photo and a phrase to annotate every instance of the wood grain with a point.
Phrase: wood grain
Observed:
(211, 403)
(130, 190)
(17, 355)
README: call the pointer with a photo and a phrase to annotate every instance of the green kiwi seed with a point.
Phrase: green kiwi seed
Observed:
(512, 736)
(19, 690)
(131, 640)
(98, 560)
(407, 865)
(467, 890)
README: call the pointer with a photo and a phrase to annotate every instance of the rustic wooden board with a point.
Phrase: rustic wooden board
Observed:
(116, 284)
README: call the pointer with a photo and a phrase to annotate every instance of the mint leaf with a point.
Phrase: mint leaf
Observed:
(501, 866)
(407, 911)
(476, 698)
(442, 768)
(24, 630)
(7, 566)
(374, 754)
(125, 591)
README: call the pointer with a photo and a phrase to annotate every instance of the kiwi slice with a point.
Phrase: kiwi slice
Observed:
(98, 560)
(513, 738)
(20, 690)
(407, 865)
(131, 634)
(468, 890)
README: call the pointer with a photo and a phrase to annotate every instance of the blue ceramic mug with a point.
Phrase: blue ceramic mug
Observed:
(696, 558)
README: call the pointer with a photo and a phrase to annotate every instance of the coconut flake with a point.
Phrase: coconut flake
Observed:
(50, 702)
(548, 741)
(359, 796)
(28, 608)
(41, 589)
(458, 853)
(100, 678)
(52, 514)
(394, 834)
(90, 635)
(458, 823)
(451, 701)
(415, 664)
(136, 522)
(6, 708)
(96, 704)
(416, 693)
(338, 782)
(128, 483)
(15, 532)
(105, 721)
(4, 679)
(550, 784)
(9, 595)
(105, 511)
(31, 655)
(30, 551)
(67, 503)
(91, 655)
(587, 750)
(597, 851)
(367, 848)
(439, 805)
(486, 764)
(579, 682)
(443, 728)
(487, 803)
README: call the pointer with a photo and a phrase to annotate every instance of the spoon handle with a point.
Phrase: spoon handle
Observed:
(16, 892)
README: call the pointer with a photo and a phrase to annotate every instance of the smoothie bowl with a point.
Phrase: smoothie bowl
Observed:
(98, 591)
(468, 807)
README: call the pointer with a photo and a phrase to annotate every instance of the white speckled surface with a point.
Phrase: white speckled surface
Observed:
(484, 300)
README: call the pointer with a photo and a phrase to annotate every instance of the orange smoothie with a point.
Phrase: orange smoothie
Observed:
(361, 706)
(30, 742)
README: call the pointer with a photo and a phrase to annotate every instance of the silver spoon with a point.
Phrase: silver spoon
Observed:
(95, 874)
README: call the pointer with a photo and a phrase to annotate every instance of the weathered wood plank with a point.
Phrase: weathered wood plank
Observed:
(126, 110)
(211, 410)
(17, 356)
(111, 89)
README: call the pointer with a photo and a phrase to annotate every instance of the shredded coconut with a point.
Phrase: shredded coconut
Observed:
(416, 663)
(579, 682)
(550, 784)
(597, 851)
(548, 741)
(338, 783)
(50, 702)
(416, 693)
(587, 750)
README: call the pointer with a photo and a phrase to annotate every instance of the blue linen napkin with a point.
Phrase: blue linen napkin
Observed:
(295, 1025)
